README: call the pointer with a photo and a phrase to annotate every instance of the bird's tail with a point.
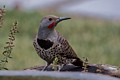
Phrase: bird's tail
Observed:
(78, 62)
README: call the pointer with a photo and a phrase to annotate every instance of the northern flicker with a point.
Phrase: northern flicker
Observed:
(49, 44)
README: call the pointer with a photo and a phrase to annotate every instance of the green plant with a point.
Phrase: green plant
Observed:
(10, 43)
(9, 46)
(2, 13)
(55, 66)
(85, 64)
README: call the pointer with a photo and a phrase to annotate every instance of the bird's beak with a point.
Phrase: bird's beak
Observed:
(61, 19)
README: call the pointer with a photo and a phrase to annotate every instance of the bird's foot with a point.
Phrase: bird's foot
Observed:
(60, 67)
(45, 67)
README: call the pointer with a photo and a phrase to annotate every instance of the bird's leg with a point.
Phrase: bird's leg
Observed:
(61, 66)
(45, 67)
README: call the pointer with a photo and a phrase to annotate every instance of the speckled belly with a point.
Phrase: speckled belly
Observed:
(49, 54)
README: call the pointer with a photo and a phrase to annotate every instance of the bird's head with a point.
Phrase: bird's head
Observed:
(50, 21)
(48, 24)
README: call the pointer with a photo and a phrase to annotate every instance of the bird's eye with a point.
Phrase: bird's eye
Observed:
(50, 19)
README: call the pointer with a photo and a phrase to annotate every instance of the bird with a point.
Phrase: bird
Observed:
(50, 44)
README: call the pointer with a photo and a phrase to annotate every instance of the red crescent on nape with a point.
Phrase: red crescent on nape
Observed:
(51, 25)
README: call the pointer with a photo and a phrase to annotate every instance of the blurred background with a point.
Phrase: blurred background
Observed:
(93, 31)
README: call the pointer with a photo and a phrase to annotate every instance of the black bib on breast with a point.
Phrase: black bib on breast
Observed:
(46, 44)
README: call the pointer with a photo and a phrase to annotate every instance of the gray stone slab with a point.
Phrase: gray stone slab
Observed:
(4, 75)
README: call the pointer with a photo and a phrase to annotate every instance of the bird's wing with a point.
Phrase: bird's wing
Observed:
(67, 50)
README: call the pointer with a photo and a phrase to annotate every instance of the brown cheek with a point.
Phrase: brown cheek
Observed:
(51, 25)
